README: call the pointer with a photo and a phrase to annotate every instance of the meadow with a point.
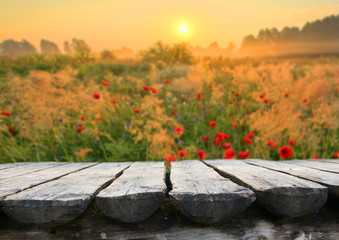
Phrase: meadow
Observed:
(63, 108)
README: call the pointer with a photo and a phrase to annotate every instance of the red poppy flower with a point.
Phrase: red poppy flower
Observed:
(174, 112)
(230, 102)
(137, 110)
(272, 143)
(217, 141)
(80, 128)
(235, 125)
(250, 135)
(182, 153)
(201, 154)
(285, 152)
(261, 95)
(299, 116)
(222, 136)
(305, 100)
(5, 113)
(174, 104)
(247, 140)
(336, 154)
(286, 94)
(167, 81)
(236, 94)
(105, 83)
(170, 158)
(11, 130)
(232, 92)
(315, 156)
(153, 90)
(229, 153)
(312, 114)
(99, 119)
(336, 91)
(114, 100)
(291, 143)
(227, 145)
(205, 138)
(212, 124)
(96, 95)
(179, 130)
(199, 96)
(145, 88)
(266, 100)
(244, 155)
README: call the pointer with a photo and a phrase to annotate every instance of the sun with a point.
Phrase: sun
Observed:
(183, 29)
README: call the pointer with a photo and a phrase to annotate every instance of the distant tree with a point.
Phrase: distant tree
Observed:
(289, 34)
(48, 48)
(230, 48)
(13, 48)
(107, 55)
(67, 48)
(248, 41)
(81, 50)
(214, 45)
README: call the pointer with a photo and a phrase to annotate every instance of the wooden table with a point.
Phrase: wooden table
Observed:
(206, 192)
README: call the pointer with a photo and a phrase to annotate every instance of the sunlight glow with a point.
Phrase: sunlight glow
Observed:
(183, 29)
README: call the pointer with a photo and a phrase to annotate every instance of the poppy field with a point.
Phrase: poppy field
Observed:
(136, 111)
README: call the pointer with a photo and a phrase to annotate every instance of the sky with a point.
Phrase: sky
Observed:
(112, 24)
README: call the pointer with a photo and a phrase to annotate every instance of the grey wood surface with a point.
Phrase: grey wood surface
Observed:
(328, 179)
(336, 161)
(203, 195)
(324, 166)
(16, 184)
(26, 169)
(279, 193)
(136, 194)
(63, 199)
(10, 165)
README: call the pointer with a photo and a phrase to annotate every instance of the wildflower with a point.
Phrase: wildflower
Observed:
(244, 155)
(63, 133)
(145, 88)
(80, 128)
(170, 158)
(96, 95)
(222, 136)
(205, 138)
(82, 118)
(236, 94)
(174, 112)
(229, 153)
(174, 104)
(285, 152)
(287, 95)
(60, 119)
(291, 143)
(235, 125)
(137, 110)
(227, 145)
(199, 96)
(305, 100)
(312, 114)
(128, 124)
(105, 83)
(299, 116)
(212, 124)
(201, 154)
(6, 113)
(180, 142)
(250, 135)
(96, 144)
(11, 130)
(247, 140)
(230, 102)
(114, 100)
(182, 153)
(179, 130)
(99, 119)
(153, 90)
(336, 155)
(272, 143)
(261, 96)
(217, 141)
(266, 100)
(167, 81)
(315, 156)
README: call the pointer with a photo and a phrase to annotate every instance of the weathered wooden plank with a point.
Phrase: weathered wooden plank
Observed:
(330, 180)
(135, 195)
(324, 166)
(203, 195)
(27, 168)
(279, 193)
(10, 165)
(325, 160)
(64, 199)
(16, 184)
